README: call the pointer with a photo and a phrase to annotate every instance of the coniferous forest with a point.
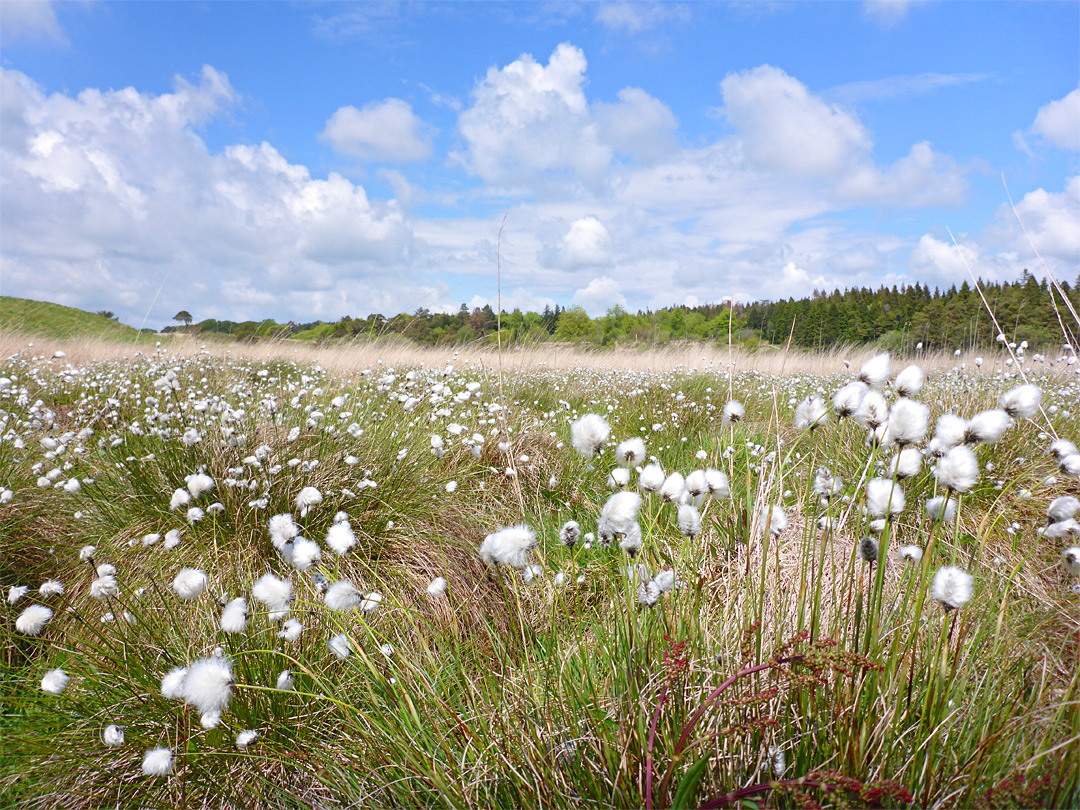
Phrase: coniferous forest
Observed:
(898, 318)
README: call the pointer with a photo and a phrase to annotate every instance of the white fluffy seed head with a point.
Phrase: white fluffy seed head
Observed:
(1021, 402)
(1070, 558)
(937, 508)
(570, 533)
(342, 596)
(733, 412)
(246, 738)
(631, 540)
(873, 410)
(777, 519)
(437, 587)
(157, 762)
(282, 529)
(208, 685)
(180, 499)
(285, 682)
(307, 498)
(909, 554)
(33, 620)
(697, 484)
(510, 546)
(619, 478)
(234, 616)
(113, 736)
(340, 538)
(341, 646)
(589, 433)
(302, 553)
(987, 427)
(909, 382)
(884, 498)
(957, 470)
(275, 593)
(1062, 508)
(172, 683)
(630, 453)
(689, 520)
(810, 413)
(907, 421)
(875, 371)
(621, 511)
(189, 583)
(847, 400)
(673, 488)
(198, 484)
(951, 587)
(651, 478)
(950, 429)
(717, 483)
(906, 464)
(55, 681)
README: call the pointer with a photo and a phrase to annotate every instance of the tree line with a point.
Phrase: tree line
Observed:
(894, 317)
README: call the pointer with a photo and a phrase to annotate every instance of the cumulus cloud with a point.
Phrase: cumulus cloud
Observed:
(1050, 220)
(1059, 122)
(783, 127)
(919, 179)
(387, 131)
(106, 191)
(638, 125)
(30, 19)
(585, 244)
(528, 121)
(600, 295)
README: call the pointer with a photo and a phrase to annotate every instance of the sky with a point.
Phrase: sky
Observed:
(306, 161)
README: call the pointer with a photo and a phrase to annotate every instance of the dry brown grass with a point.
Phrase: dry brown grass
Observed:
(350, 358)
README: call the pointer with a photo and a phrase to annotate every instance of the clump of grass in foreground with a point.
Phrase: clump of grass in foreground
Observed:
(744, 635)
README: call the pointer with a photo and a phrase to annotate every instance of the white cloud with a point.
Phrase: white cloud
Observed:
(797, 281)
(585, 244)
(785, 128)
(635, 17)
(1059, 122)
(115, 194)
(638, 125)
(386, 131)
(530, 122)
(888, 13)
(600, 295)
(1052, 221)
(30, 19)
(898, 87)
(921, 178)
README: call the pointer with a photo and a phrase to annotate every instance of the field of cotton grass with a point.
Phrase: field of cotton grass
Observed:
(242, 581)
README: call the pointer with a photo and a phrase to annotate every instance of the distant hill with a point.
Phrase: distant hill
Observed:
(42, 319)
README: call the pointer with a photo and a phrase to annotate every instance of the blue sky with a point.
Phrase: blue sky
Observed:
(312, 160)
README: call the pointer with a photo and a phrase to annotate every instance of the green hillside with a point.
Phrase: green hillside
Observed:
(43, 319)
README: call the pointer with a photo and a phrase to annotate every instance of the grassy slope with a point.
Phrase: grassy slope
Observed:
(42, 319)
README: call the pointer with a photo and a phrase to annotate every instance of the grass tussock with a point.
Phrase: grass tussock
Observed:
(757, 658)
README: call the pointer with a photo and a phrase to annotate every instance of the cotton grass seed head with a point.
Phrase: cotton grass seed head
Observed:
(987, 427)
(33, 620)
(909, 554)
(875, 371)
(909, 382)
(733, 412)
(570, 533)
(957, 470)
(510, 546)
(342, 596)
(437, 587)
(1070, 558)
(208, 685)
(630, 453)
(907, 421)
(172, 683)
(341, 646)
(652, 478)
(621, 510)
(234, 616)
(847, 400)
(868, 549)
(282, 529)
(589, 434)
(951, 587)
(113, 736)
(55, 681)
(689, 520)
(189, 583)
(157, 762)
(1062, 508)
(884, 498)
(340, 538)
(275, 593)
(940, 508)
(1021, 402)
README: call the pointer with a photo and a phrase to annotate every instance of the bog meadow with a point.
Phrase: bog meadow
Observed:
(257, 575)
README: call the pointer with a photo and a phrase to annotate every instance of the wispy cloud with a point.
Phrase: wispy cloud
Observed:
(896, 87)
(30, 19)
(888, 13)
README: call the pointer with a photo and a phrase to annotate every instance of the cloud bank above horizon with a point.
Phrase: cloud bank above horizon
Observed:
(613, 193)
